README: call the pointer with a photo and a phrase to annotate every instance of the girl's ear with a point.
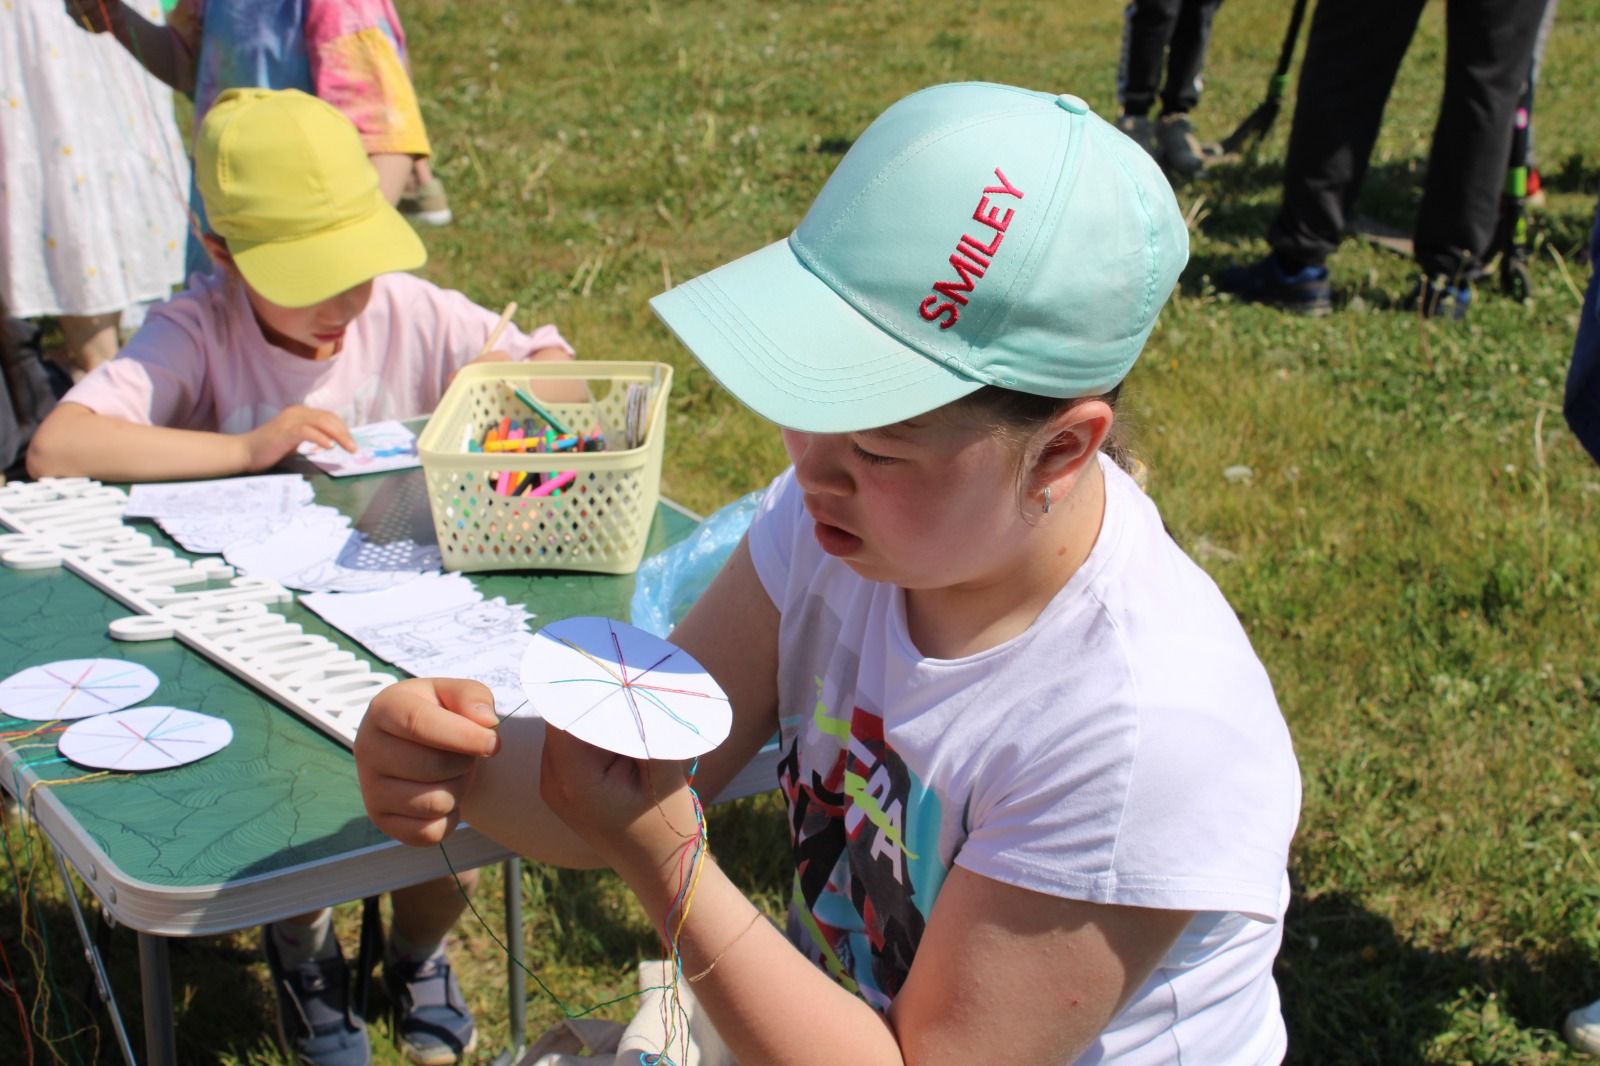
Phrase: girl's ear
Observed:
(1071, 440)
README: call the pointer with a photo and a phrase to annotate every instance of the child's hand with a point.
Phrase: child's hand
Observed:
(417, 750)
(289, 428)
(96, 16)
(635, 814)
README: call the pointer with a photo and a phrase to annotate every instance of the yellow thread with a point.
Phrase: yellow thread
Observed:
(729, 947)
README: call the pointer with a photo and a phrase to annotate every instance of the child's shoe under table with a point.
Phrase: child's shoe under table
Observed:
(432, 1024)
(316, 1024)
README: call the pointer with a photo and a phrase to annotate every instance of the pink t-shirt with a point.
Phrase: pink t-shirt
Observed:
(200, 361)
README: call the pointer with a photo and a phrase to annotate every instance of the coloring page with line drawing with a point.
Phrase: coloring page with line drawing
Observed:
(213, 534)
(262, 494)
(145, 738)
(437, 625)
(379, 446)
(305, 555)
(75, 688)
(624, 690)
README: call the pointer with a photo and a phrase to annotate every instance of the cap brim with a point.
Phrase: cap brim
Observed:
(306, 270)
(793, 351)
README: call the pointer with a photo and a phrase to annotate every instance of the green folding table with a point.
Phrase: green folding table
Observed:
(272, 825)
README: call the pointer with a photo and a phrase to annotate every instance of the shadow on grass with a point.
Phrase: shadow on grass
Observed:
(212, 984)
(1356, 993)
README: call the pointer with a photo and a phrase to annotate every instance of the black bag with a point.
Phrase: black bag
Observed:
(29, 388)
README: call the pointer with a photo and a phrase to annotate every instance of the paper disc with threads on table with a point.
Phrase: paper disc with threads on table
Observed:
(145, 738)
(624, 690)
(75, 688)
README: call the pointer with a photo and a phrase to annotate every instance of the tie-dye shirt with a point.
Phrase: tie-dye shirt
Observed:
(351, 53)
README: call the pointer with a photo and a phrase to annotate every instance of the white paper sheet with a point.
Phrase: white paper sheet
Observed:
(212, 534)
(624, 690)
(261, 494)
(381, 446)
(437, 625)
(305, 553)
(145, 738)
(75, 688)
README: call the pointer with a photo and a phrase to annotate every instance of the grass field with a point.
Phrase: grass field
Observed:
(1414, 556)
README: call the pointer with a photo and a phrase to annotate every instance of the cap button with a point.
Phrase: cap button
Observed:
(1071, 103)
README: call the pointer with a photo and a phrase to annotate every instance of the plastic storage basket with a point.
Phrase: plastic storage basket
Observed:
(599, 523)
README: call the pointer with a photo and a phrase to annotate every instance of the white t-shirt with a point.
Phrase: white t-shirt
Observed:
(200, 360)
(1126, 748)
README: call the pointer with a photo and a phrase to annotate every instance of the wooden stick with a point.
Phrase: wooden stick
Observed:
(499, 328)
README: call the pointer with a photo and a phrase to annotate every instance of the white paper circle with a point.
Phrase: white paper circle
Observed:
(145, 738)
(75, 688)
(624, 690)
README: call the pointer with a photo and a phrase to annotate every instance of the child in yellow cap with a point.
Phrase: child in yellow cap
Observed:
(309, 326)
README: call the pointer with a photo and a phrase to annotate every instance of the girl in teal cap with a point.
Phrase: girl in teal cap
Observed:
(1039, 793)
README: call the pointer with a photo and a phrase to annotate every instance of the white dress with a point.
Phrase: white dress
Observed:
(93, 176)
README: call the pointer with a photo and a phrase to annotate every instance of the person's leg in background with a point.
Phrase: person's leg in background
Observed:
(1147, 28)
(317, 1022)
(432, 1021)
(1352, 54)
(1186, 60)
(1488, 53)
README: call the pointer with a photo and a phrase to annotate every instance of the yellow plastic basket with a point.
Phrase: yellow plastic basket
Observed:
(599, 523)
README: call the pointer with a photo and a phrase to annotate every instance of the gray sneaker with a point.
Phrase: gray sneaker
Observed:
(1178, 148)
(1140, 129)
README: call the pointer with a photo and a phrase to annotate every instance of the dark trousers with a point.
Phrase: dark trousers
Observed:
(1174, 30)
(1351, 58)
(1582, 406)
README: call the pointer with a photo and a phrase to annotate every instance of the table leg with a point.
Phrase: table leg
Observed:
(518, 983)
(155, 982)
(91, 952)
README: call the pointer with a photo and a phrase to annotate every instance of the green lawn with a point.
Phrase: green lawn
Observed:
(1413, 556)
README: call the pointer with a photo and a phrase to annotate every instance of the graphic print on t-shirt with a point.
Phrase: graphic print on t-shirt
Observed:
(865, 836)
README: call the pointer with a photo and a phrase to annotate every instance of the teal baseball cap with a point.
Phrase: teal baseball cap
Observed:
(975, 234)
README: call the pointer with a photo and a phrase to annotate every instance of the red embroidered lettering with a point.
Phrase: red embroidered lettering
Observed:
(986, 249)
(973, 251)
(1004, 186)
(990, 216)
(971, 260)
(947, 309)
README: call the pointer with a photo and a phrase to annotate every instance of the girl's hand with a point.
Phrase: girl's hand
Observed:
(635, 814)
(417, 751)
(289, 428)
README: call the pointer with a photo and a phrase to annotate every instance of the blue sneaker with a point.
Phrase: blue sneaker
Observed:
(1439, 297)
(1307, 291)
(432, 1023)
(315, 1023)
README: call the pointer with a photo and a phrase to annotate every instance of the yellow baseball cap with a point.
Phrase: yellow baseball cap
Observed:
(287, 183)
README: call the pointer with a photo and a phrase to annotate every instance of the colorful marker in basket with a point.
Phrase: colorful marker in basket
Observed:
(537, 408)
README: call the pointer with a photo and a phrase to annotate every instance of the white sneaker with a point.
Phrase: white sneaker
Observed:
(1582, 1029)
